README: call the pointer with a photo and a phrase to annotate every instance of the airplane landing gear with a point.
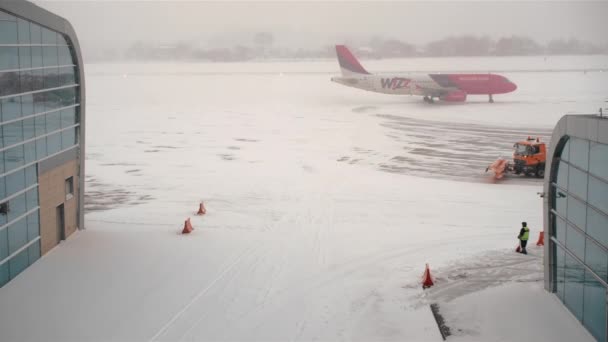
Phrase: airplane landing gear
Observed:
(490, 99)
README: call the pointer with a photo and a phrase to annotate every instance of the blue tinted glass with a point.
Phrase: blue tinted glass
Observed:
(6, 16)
(29, 130)
(68, 117)
(36, 57)
(35, 33)
(577, 212)
(66, 76)
(65, 56)
(41, 148)
(8, 32)
(40, 125)
(23, 28)
(562, 175)
(18, 263)
(17, 207)
(575, 277)
(560, 230)
(48, 36)
(594, 317)
(579, 153)
(51, 77)
(1, 162)
(2, 191)
(597, 226)
(561, 198)
(37, 84)
(53, 121)
(67, 95)
(53, 143)
(9, 83)
(597, 259)
(17, 235)
(559, 271)
(577, 183)
(566, 151)
(3, 243)
(27, 104)
(12, 133)
(29, 152)
(33, 226)
(68, 138)
(54, 99)
(27, 81)
(598, 194)
(575, 242)
(13, 158)
(30, 176)
(3, 274)
(25, 57)
(9, 58)
(11, 108)
(15, 182)
(34, 252)
(31, 197)
(598, 163)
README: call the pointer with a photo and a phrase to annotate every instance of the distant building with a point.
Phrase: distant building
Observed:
(576, 218)
(41, 134)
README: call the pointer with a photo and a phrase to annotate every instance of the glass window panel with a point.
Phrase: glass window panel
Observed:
(29, 152)
(30, 176)
(597, 226)
(53, 121)
(598, 194)
(18, 263)
(8, 32)
(23, 28)
(66, 76)
(575, 242)
(54, 99)
(598, 163)
(9, 83)
(61, 40)
(17, 207)
(577, 182)
(3, 274)
(12, 133)
(6, 16)
(31, 197)
(68, 117)
(15, 182)
(35, 33)
(34, 252)
(3, 243)
(25, 57)
(562, 175)
(27, 84)
(53, 143)
(29, 129)
(41, 148)
(577, 212)
(9, 58)
(573, 289)
(597, 259)
(579, 153)
(2, 162)
(40, 125)
(68, 138)
(13, 158)
(33, 226)
(17, 235)
(27, 104)
(65, 56)
(51, 77)
(67, 96)
(48, 36)
(36, 56)
(11, 108)
(594, 317)
(560, 230)
(2, 190)
(560, 259)
(566, 151)
(37, 84)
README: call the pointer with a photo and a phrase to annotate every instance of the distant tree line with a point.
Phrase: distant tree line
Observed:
(262, 46)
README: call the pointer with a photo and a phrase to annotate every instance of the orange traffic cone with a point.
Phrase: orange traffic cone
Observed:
(518, 249)
(427, 280)
(541, 239)
(201, 209)
(187, 227)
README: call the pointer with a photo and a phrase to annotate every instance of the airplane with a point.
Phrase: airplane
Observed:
(446, 87)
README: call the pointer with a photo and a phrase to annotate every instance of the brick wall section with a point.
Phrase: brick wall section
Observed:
(51, 189)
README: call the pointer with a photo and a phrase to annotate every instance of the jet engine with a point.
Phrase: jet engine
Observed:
(454, 96)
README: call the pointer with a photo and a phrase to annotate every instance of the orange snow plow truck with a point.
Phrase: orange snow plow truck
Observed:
(528, 159)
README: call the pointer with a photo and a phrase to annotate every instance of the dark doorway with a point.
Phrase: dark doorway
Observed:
(60, 223)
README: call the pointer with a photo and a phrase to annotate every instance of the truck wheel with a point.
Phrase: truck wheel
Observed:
(540, 171)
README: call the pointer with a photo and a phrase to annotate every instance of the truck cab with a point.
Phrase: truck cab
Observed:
(529, 157)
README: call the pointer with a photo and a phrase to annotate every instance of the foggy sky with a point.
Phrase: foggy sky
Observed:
(312, 24)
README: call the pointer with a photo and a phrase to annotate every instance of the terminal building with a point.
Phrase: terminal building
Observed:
(41, 134)
(576, 217)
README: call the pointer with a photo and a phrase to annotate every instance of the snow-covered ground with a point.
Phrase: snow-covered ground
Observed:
(324, 204)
